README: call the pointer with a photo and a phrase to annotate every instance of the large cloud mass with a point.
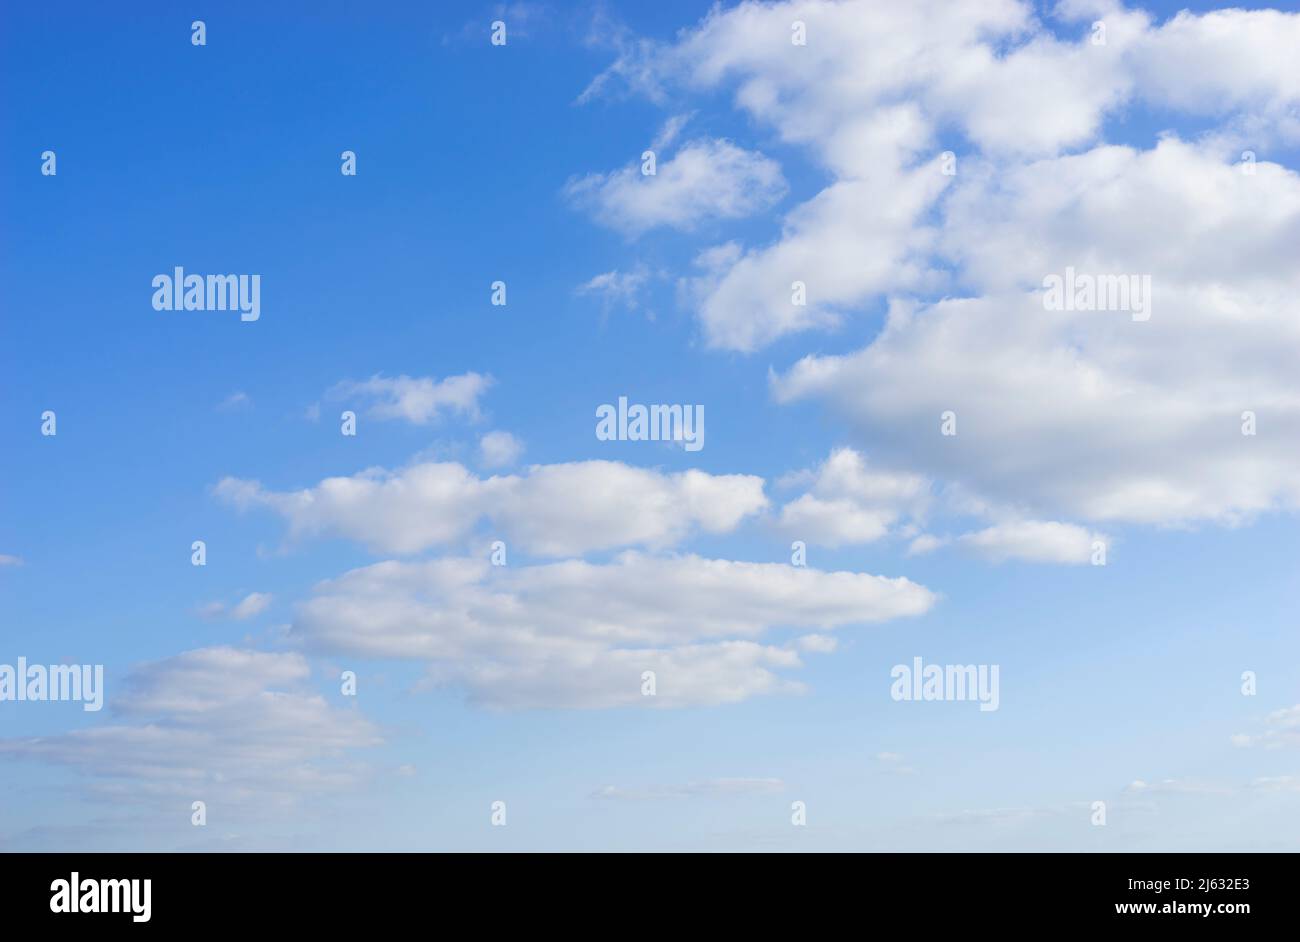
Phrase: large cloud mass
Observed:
(1085, 414)
(580, 634)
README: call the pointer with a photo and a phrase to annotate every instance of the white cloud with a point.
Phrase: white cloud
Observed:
(704, 179)
(849, 502)
(992, 73)
(419, 399)
(993, 68)
(862, 234)
(834, 522)
(616, 285)
(1282, 728)
(627, 290)
(249, 606)
(925, 543)
(1041, 541)
(858, 237)
(1090, 414)
(1221, 62)
(553, 510)
(578, 634)
(499, 450)
(235, 401)
(8, 560)
(1175, 212)
(634, 67)
(1062, 415)
(817, 644)
(235, 728)
(617, 288)
(670, 131)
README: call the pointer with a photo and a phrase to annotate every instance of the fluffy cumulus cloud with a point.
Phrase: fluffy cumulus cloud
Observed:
(580, 634)
(1035, 541)
(860, 236)
(1010, 82)
(577, 633)
(552, 510)
(705, 179)
(1222, 62)
(1083, 414)
(849, 502)
(1093, 413)
(234, 728)
(499, 449)
(870, 118)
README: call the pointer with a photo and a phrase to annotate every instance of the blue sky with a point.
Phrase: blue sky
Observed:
(1119, 683)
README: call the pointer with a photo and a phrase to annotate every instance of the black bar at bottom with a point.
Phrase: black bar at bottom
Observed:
(664, 892)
